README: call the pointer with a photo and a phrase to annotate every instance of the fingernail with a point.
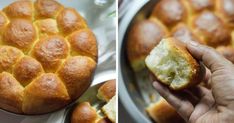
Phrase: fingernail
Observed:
(193, 43)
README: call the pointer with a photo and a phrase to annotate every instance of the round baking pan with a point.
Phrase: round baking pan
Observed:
(135, 89)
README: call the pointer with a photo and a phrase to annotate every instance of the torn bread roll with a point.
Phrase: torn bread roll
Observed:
(172, 64)
(109, 109)
(162, 112)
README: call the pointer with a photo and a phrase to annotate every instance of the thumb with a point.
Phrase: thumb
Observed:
(209, 56)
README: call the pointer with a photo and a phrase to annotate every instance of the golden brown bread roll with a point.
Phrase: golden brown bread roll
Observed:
(70, 20)
(172, 64)
(76, 74)
(225, 9)
(9, 56)
(227, 52)
(45, 91)
(47, 56)
(84, 113)
(26, 69)
(83, 42)
(170, 12)
(47, 27)
(143, 36)
(183, 33)
(20, 33)
(11, 94)
(162, 112)
(107, 90)
(20, 9)
(199, 5)
(50, 51)
(211, 29)
(47, 8)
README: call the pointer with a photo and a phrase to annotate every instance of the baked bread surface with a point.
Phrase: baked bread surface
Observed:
(47, 56)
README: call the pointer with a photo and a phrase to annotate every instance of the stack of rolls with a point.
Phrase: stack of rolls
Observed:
(48, 56)
(208, 22)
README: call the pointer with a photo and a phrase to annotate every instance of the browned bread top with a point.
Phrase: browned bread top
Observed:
(162, 112)
(47, 56)
(170, 12)
(143, 36)
(211, 29)
(84, 113)
(107, 90)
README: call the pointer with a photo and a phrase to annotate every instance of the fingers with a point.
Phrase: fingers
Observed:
(208, 56)
(205, 104)
(199, 91)
(182, 106)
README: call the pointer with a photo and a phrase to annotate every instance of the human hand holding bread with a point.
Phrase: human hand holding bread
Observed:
(198, 104)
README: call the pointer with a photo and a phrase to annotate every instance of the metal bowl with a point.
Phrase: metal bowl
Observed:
(135, 89)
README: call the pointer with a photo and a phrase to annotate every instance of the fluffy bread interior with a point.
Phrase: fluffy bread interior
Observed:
(109, 109)
(169, 65)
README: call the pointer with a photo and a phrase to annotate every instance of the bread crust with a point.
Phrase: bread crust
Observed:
(107, 90)
(197, 69)
(162, 112)
(84, 113)
(48, 56)
(143, 36)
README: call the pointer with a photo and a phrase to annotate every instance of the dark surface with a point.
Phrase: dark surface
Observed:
(123, 115)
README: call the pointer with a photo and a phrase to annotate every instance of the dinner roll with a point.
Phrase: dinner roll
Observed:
(163, 112)
(48, 56)
(183, 33)
(209, 27)
(84, 113)
(172, 64)
(107, 90)
(143, 36)
(170, 12)
(200, 5)
(225, 9)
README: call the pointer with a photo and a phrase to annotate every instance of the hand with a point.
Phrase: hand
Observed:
(199, 104)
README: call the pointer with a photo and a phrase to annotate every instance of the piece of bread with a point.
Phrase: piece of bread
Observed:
(47, 56)
(84, 113)
(142, 38)
(227, 52)
(170, 12)
(211, 29)
(107, 90)
(183, 33)
(110, 109)
(225, 10)
(172, 64)
(200, 5)
(163, 112)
